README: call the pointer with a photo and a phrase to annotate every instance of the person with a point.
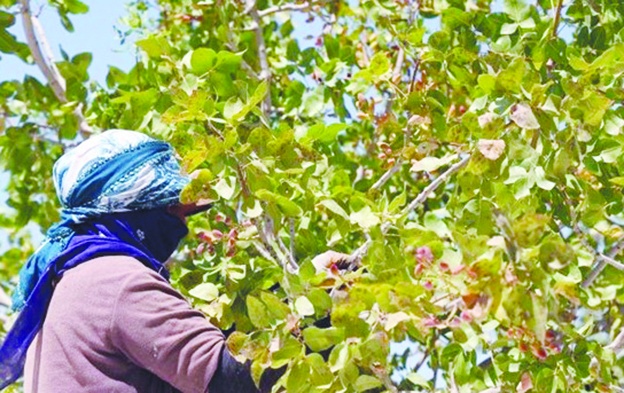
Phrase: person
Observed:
(97, 313)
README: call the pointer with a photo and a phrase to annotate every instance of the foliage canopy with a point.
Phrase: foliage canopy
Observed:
(469, 155)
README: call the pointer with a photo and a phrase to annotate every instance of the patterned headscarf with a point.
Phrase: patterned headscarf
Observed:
(108, 186)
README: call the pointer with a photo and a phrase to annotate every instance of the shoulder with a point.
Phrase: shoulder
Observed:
(106, 276)
(118, 266)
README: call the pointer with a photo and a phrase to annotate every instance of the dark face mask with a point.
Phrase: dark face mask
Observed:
(157, 230)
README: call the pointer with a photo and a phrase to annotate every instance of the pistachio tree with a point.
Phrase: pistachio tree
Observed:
(467, 155)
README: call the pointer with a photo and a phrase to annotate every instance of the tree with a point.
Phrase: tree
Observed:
(468, 155)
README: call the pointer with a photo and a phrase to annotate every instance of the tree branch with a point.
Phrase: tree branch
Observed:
(386, 176)
(602, 263)
(292, 235)
(557, 19)
(436, 183)
(612, 262)
(618, 343)
(264, 252)
(265, 71)
(266, 234)
(232, 46)
(398, 67)
(42, 55)
(363, 249)
(415, 72)
(285, 7)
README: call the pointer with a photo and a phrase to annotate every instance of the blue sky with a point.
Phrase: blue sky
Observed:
(94, 32)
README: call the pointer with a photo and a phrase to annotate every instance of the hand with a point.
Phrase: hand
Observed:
(330, 262)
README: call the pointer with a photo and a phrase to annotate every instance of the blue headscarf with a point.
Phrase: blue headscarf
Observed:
(114, 189)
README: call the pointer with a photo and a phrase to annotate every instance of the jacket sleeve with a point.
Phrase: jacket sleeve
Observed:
(158, 330)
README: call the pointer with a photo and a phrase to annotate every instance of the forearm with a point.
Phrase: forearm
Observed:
(235, 377)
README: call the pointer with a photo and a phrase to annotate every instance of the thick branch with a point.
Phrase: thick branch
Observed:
(284, 7)
(42, 55)
(50, 72)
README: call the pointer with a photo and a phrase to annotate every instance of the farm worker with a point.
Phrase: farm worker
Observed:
(97, 313)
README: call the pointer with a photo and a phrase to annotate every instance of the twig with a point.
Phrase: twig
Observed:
(232, 46)
(407, 134)
(507, 231)
(386, 176)
(557, 19)
(285, 7)
(363, 249)
(453, 387)
(413, 82)
(612, 262)
(618, 343)
(292, 263)
(423, 360)
(292, 236)
(266, 233)
(396, 73)
(602, 263)
(264, 252)
(42, 55)
(265, 71)
(436, 183)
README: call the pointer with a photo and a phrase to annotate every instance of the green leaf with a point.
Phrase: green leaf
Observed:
(523, 116)
(288, 207)
(516, 9)
(486, 82)
(303, 306)
(225, 188)
(277, 309)
(206, 291)
(367, 382)
(321, 300)
(511, 77)
(234, 110)
(365, 218)
(203, 60)
(617, 180)
(379, 64)
(321, 339)
(430, 164)
(6, 19)
(334, 207)
(322, 133)
(228, 61)
(257, 311)
(155, 46)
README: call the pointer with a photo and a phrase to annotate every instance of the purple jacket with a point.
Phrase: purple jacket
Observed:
(114, 325)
